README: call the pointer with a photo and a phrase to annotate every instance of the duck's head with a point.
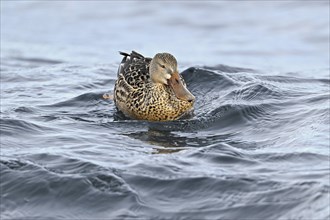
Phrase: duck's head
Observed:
(164, 70)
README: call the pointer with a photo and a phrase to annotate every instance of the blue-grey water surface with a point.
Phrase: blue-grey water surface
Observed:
(256, 148)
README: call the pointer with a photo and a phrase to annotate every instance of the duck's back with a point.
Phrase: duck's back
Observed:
(134, 68)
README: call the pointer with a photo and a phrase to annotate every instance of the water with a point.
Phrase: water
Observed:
(257, 147)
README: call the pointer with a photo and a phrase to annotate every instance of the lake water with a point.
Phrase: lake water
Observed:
(256, 148)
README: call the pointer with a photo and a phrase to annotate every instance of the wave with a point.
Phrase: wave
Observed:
(153, 192)
(83, 100)
(226, 97)
(252, 146)
(12, 127)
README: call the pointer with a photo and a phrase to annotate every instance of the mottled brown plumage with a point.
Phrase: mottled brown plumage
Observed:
(151, 89)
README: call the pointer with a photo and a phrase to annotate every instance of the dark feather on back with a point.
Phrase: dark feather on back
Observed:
(135, 68)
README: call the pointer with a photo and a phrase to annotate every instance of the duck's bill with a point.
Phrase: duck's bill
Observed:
(180, 91)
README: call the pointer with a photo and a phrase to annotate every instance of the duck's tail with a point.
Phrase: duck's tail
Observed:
(123, 53)
(133, 54)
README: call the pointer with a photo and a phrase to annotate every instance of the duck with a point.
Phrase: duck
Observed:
(151, 89)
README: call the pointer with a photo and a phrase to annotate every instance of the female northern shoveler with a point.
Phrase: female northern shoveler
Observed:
(151, 89)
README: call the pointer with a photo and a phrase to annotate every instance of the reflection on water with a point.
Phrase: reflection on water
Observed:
(168, 142)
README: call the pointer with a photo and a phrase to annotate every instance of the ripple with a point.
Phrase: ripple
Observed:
(257, 91)
(223, 154)
(198, 77)
(24, 109)
(81, 100)
(109, 183)
(229, 69)
(293, 157)
(12, 127)
(39, 61)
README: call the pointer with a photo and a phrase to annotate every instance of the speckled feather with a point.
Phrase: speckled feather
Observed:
(138, 98)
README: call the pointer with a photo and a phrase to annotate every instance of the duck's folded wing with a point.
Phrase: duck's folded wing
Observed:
(122, 89)
(135, 68)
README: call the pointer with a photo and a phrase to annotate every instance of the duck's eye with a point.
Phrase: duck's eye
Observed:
(162, 66)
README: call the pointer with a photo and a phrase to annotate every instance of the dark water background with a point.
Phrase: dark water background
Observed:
(257, 147)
